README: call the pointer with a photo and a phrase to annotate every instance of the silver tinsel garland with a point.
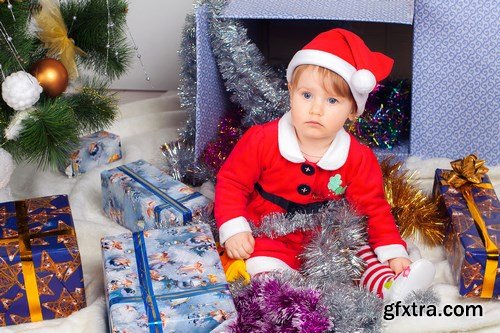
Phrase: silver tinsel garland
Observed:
(253, 84)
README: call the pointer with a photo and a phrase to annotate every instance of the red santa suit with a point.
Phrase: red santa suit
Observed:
(269, 155)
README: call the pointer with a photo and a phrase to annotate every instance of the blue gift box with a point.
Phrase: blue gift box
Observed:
(464, 242)
(96, 149)
(452, 65)
(166, 280)
(140, 196)
(40, 268)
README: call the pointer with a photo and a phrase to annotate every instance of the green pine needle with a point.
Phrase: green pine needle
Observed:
(94, 106)
(90, 33)
(49, 135)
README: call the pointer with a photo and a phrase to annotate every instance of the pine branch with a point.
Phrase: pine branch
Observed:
(90, 33)
(24, 43)
(95, 106)
(50, 134)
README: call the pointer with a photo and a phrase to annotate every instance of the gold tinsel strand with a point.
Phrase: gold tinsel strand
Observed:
(416, 214)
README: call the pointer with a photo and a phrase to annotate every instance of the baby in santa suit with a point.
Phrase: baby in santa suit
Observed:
(306, 158)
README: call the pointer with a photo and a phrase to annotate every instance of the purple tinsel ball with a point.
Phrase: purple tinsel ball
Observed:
(270, 305)
(229, 132)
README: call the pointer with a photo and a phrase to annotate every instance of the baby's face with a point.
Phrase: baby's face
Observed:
(317, 113)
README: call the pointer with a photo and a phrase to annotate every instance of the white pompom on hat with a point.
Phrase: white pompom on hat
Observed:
(345, 53)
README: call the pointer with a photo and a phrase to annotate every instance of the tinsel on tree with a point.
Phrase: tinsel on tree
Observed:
(46, 105)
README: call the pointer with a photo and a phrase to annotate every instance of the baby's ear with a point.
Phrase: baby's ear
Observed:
(352, 116)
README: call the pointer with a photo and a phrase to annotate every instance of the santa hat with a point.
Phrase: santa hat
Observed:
(345, 53)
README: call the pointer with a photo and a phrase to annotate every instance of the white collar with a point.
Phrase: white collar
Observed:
(334, 158)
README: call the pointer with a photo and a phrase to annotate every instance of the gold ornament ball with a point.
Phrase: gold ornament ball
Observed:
(52, 76)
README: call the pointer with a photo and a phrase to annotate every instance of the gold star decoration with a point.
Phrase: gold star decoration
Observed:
(43, 285)
(461, 222)
(72, 266)
(70, 244)
(5, 215)
(7, 233)
(37, 203)
(476, 291)
(7, 302)
(12, 249)
(39, 242)
(8, 276)
(64, 306)
(455, 200)
(20, 320)
(487, 207)
(41, 217)
(47, 264)
(2, 319)
(470, 273)
(79, 297)
(62, 210)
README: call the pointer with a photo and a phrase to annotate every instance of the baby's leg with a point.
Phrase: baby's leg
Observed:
(376, 274)
(261, 264)
(381, 280)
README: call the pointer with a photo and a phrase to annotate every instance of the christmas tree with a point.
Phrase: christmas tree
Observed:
(46, 104)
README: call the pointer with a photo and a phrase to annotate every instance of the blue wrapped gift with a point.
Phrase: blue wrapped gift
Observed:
(96, 149)
(140, 196)
(47, 282)
(472, 244)
(166, 280)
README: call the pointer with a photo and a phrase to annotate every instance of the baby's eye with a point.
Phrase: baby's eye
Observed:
(332, 100)
(306, 95)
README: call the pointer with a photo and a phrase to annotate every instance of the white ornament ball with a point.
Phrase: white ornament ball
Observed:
(21, 90)
(6, 167)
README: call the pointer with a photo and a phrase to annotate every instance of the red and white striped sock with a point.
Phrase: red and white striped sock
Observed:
(376, 274)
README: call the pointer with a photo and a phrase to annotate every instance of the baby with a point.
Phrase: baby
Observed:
(306, 158)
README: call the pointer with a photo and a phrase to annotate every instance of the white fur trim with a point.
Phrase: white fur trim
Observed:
(336, 155)
(287, 140)
(261, 264)
(392, 251)
(233, 227)
(334, 158)
(333, 63)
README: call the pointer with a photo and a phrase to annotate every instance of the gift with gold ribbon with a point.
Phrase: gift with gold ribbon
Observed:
(473, 229)
(40, 267)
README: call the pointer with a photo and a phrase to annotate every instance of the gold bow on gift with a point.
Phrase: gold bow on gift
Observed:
(467, 173)
(54, 35)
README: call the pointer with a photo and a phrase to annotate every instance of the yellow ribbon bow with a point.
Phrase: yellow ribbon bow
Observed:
(466, 173)
(54, 35)
(469, 170)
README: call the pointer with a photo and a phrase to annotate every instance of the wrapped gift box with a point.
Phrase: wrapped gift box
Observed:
(140, 196)
(96, 149)
(166, 280)
(47, 282)
(464, 242)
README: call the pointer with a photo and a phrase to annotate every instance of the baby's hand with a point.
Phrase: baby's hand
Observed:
(398, 264)
(240, 246)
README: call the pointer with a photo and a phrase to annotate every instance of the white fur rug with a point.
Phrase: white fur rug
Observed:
(143, 127)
